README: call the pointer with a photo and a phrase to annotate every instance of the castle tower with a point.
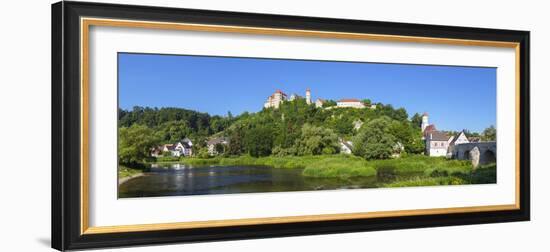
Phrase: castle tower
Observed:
(424, 121)
(308, 96)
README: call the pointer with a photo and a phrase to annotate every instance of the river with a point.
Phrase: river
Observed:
(179, 179)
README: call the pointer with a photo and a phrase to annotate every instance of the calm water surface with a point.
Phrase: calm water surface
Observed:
(179, 179)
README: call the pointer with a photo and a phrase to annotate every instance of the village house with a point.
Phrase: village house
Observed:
(345, 146)
(456, 140)
(437, 142)
(170, 148)
(178, 149)
(212, 143)
(184, 147)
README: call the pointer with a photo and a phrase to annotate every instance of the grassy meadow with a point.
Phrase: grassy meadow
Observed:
(412, 170)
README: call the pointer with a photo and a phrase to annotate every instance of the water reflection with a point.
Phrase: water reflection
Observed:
(179, 179)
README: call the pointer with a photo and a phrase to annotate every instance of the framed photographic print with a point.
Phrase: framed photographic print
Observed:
(180, 125)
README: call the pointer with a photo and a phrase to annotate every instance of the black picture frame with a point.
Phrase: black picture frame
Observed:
(66, 114)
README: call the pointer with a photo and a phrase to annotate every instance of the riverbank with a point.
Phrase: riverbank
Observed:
(126, 173)
(427, 170)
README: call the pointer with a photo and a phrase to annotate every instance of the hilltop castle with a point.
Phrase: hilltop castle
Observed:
(274, 100)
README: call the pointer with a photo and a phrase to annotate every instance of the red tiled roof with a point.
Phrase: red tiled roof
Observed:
(430, 127)
(425, 114)
(280, 92)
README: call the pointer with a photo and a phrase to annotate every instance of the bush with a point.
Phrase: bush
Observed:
(316, 141)
(374, 140)
(339, 167)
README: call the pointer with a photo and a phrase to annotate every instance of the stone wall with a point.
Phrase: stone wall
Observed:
(479, 153)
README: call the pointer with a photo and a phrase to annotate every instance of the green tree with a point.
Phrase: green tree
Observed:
(236, 140)
(374, 140)
(410, 137)
(416, 120)
(329, 103)
(220, 148)
(366, 102)
(316, 141)
(135, 144)
(489, 134)
(173, 131)
(259, 141)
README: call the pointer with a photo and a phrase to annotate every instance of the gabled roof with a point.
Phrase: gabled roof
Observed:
(457, 136)
(437, 136)
(346, 143)
(185, 144)
(428, 129)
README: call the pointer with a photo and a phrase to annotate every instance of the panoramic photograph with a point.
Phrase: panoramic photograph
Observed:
(199, 125)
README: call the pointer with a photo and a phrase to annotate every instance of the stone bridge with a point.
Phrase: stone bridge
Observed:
(479, 153)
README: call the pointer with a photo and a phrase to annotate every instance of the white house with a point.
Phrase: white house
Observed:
(172, 149)
(456, 140)
(350, 103)
(181, 148)
(184, 147)
(345, 146)
(437, 143)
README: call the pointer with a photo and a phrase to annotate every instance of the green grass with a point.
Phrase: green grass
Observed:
(484, 174)
(339, 167)
(414, 170)
(277, 162)
(124, 171)
(422, 164)
(426, 181)
(345, 166)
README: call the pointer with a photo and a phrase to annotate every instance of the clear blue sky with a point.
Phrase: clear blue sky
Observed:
(456, 98)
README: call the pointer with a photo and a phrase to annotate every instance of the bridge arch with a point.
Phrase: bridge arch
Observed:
(487, 152)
